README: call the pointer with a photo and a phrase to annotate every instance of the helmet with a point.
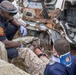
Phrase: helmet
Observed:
(8, 7)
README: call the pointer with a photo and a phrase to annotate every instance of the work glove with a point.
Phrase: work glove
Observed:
(23, 30)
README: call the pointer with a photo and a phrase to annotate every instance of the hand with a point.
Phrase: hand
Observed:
(23, 30)
(36, 45)
(21, 46)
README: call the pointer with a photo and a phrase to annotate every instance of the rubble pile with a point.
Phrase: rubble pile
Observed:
(10, 69)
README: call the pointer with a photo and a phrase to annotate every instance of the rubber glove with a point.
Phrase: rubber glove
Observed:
(21, 46)
(23, 30)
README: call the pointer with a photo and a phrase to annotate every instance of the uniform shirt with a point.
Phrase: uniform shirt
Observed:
(60, 69)
(3, 25)
(1, 1)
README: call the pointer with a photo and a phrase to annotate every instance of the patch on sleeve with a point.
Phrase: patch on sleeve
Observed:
(1, 31)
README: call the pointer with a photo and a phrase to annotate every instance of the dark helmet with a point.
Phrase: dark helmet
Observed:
(8, 7)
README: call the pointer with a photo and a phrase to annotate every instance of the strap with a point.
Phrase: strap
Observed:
(41, 54)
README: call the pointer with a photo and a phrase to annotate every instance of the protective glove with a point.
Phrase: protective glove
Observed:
(21, 46)
(23, 30)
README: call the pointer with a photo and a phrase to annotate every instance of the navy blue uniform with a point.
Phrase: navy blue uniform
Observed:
(60, 69)
(1, 1)
(8, 31)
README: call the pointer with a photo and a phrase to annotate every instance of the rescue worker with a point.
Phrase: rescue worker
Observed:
(8, 27)
(62, 63)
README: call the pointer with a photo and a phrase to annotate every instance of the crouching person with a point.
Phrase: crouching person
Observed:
(8, 27)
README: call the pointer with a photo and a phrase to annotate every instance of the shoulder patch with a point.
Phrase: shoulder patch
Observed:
(1, 31)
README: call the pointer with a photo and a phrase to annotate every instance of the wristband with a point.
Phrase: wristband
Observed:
(41, 54)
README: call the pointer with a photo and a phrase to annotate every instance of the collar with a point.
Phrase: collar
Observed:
(54, 59)
(62, 59)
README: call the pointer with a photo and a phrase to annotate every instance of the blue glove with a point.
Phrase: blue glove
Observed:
(21, 46)
(23, 30)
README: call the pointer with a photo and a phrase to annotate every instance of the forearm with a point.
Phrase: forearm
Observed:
(9, 44)
(12, 44)
(15, 22)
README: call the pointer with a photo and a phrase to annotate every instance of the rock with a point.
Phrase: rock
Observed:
(9, 69)
(3, 52)
(25, 40)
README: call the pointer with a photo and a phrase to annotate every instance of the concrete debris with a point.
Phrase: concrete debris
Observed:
(10, 69)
